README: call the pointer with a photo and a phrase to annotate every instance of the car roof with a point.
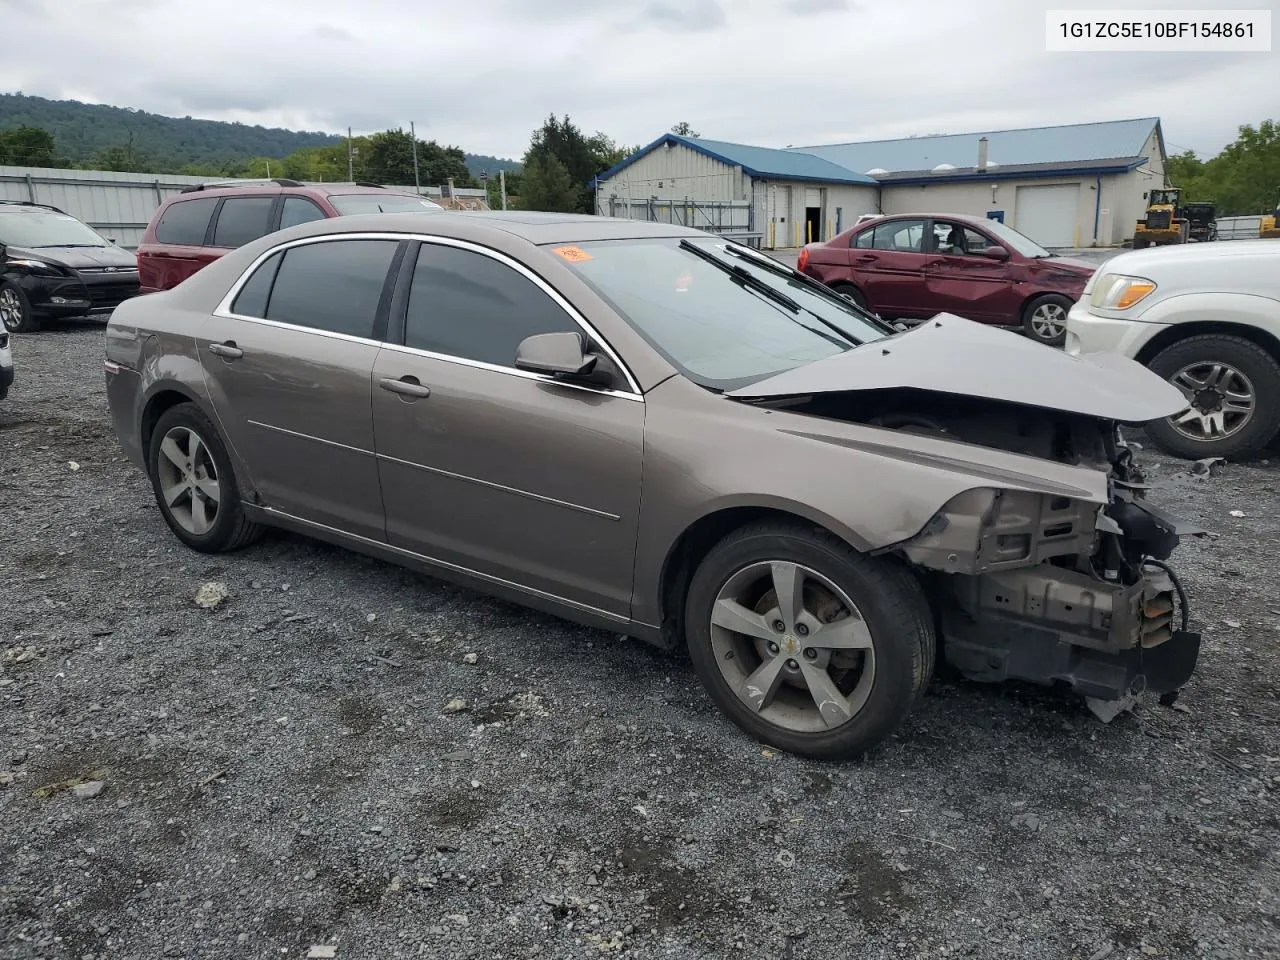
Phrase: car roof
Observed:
(925, 215)
(272, 189)
(534, 227)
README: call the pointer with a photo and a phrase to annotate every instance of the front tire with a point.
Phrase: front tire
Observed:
(854, 653)
(1045, 319)
(195, 484)
(15, 310)
(1233, 388)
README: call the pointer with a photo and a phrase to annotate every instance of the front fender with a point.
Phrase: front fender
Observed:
(872, 487)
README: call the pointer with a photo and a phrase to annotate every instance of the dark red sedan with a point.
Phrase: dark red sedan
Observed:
(913, 266)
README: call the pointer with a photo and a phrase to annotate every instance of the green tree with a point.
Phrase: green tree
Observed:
(122, 158)
(28, 147)
(563, 141)
(548, 185)
(682, 129)
(1243, 179)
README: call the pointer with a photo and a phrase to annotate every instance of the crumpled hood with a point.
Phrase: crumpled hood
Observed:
(952, 355)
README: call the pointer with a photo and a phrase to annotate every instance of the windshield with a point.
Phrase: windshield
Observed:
(349, 204)
(1012, 238)
(721, 314)
(36, 227)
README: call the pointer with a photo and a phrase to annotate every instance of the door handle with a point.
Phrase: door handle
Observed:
(405, 387)
(867, 258)
(227, 350)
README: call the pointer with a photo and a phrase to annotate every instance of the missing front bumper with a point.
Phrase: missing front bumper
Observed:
(1048, 625)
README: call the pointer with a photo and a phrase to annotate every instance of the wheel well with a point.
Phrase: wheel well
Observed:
(694, 544)
(1022, 308)
(154, 410)
(1181, 331)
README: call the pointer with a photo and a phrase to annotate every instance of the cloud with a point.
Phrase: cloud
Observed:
(806, 8)
(767, 72)
(682, 16)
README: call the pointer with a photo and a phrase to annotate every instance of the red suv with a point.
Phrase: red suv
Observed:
(913, 266)
(203, 222)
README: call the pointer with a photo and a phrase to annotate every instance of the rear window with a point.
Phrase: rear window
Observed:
(241, 220)
(350, 204)
(185, 222)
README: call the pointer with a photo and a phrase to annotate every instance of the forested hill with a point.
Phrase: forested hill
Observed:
(86, 132)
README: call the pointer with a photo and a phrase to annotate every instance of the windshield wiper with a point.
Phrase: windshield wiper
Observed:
(743, 275)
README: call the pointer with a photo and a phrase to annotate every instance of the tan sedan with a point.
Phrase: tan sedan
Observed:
(658, 432)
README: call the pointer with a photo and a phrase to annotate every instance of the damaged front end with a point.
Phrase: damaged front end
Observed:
(1053, 590)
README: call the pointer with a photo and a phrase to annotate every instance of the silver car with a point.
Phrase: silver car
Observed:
(659, 432)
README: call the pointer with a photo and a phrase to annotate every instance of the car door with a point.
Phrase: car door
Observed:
(960, 279)
(288, 363)
(178, 250)
(888, 264)
(513, 475)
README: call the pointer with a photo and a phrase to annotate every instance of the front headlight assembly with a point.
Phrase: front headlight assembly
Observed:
(1117, 291)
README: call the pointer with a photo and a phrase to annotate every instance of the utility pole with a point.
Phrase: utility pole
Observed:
(417, 188)
(350, 166)
(502, 181)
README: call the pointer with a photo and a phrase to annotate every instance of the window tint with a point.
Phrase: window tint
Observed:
(470, 306)
(333, 285)
(901, 236)
(957, 240)
(186, 221)
(251, 301)
(242, 219)
(299, 210)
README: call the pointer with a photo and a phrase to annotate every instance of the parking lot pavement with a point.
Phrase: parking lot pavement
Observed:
(293, 768)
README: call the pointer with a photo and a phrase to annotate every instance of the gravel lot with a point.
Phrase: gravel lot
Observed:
(283, 771)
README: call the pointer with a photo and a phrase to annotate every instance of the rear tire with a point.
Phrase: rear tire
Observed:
(1254, 368)
(15, 310)
(883, 604)
(849, 291)
(195, 484)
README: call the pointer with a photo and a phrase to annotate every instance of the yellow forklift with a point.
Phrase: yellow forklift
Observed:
(1165, 222)
(1269, 228)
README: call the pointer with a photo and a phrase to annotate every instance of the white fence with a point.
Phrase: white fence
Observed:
(119, 205)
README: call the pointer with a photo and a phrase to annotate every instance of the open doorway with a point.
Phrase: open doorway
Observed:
(812, 224)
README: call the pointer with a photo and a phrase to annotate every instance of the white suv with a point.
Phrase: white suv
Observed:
(1206, 317)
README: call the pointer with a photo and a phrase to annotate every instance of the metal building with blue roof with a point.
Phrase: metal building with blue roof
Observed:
(1064, 186)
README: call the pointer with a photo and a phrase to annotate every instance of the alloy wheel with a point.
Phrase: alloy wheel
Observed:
(1049, 321)
(10, 310)
(792, 646)
(1222, 401)
(188, 480)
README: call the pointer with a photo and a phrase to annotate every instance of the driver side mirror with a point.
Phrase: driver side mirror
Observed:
(558, 354)
(995, 253)
(111, 240)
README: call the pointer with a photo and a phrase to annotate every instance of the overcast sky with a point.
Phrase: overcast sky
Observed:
(484, 75)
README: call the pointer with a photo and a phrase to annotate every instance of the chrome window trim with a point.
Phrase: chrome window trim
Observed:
(224, 311)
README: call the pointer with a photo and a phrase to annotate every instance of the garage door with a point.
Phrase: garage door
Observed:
(1048, 214)
(812, 197)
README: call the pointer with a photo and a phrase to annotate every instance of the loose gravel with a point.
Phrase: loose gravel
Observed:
(329, 756)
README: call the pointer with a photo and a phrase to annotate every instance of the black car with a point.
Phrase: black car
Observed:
(53, 265)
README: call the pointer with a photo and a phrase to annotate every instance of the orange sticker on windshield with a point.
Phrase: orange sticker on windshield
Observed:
(572, 254)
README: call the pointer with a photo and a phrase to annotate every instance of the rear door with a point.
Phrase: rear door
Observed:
(179, 249)
(960, 280)
(288, 365)
(888, 263)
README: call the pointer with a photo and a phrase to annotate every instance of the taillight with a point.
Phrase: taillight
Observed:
(804, 259)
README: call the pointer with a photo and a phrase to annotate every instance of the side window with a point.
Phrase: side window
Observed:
(184, 222)
(241, 220)
(468, 305)
(864, 240)
(299, 210)
(900, 236)
(251, 301)
(333, 285)
(957, 240)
